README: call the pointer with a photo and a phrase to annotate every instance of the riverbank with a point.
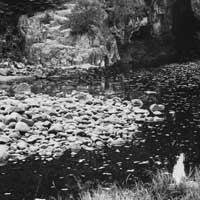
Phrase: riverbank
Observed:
(17, 71)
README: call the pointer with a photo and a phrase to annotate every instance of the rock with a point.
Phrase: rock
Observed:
(31, 102)
(117, 142)
(148, 92)
(4, 71)
(55, 128)
(75, 147)
(137, 103)
(4, 139)
(22, 127)
(39, 126)
(100, 144)
(3, 154)
(87, 148)
(32, 139)
(2, 126)
(22, 145)
(72, 138)
(141, 111)
(13, 117)
(21, 108)
(33, 149)
(40, 117)
(158, 119)
(12, 125)
(27, 121)
(47, 124)
(2, 118)
(157, 108)
(14, 135)
(22, 88)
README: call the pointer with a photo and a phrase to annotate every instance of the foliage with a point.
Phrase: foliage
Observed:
(126, 9)
(87, 14)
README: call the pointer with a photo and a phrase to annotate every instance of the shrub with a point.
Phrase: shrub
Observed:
(123, 10)
(86, 14)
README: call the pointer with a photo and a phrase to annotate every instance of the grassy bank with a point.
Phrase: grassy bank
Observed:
(162, 187)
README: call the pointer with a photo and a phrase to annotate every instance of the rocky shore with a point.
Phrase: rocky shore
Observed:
(11, 70)
(47, 126)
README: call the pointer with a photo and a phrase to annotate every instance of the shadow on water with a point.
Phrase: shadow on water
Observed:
(156, 145)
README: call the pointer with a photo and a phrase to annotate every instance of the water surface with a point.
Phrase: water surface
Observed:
(177, 87)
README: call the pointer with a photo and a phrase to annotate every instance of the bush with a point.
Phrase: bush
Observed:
(87, 13)
(123, 10)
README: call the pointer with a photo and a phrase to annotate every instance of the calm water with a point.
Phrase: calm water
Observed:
(178, 88)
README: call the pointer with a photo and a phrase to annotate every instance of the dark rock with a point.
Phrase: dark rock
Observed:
(27, 121)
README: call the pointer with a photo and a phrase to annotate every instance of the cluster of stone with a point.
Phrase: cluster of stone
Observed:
(40, 124)
(48, 126)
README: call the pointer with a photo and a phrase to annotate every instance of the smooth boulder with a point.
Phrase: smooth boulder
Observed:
(22, 127)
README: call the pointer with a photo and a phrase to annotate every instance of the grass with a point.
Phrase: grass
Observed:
(162, 187)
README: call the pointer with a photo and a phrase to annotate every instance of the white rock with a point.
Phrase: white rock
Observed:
(22, 144)
(3, 154)
(55, 128)
(22, 127)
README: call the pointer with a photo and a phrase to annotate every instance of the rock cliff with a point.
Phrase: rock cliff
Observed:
(48, 40)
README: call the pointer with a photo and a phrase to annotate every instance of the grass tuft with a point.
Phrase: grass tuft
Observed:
(162, 187)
